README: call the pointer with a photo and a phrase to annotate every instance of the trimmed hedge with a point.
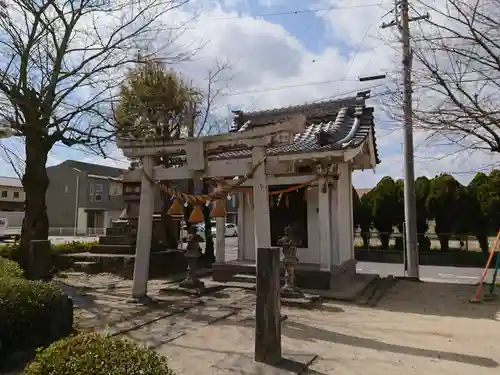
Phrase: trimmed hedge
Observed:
(427, 258)
(98, 355)
(32, 314)
(10, 250)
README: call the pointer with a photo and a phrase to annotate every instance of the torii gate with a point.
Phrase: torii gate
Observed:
(268, 318)
(199, 166)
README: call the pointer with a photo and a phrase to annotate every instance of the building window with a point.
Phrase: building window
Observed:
(98, 188)
(98, 197)
(16, 195)
(4, 193)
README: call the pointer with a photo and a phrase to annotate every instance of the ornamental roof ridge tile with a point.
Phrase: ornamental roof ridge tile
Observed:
(307, 140)
(350, 100)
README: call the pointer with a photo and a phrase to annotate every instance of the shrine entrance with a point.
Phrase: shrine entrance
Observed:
(288, 209)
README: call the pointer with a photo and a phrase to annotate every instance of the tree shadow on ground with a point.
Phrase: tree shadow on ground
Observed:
(243, 363)
(108, 310)
(438, 299)
(300, 331)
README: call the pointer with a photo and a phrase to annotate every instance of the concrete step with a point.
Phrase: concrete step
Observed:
(87, 267)
(112, 249)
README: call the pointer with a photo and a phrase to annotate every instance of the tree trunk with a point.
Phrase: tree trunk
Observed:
(482, 238)
(444, 241)
(398, 243)
(170, 227)
(384, 240)
(365, 236)
(35, 183)
(424, 244)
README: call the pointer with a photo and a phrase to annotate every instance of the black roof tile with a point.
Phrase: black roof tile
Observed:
(334, 118)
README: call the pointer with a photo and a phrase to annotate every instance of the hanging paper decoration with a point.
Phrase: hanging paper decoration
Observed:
(287, 202)
(196, 215)
(219, 208)
(175, 210)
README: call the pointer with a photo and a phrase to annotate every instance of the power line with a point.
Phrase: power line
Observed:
(358, 48)
(278, 88)
(297, 11)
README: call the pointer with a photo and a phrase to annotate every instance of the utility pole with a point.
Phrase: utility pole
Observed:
(402, 21)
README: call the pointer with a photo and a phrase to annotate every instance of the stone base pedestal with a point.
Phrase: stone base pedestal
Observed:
(305, 301)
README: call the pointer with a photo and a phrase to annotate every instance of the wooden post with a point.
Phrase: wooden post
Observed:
(267, 312)
(262, 221)
(144, 233)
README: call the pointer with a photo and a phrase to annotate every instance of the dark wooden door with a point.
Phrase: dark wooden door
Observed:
(291, 209)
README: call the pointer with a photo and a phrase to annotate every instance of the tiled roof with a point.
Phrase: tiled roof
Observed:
(335, 119)
(10, 182)
(95, 169)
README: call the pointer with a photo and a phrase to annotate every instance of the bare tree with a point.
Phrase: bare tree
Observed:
(61, 63)
(206, 121)
(457, 73)
(206, 110)
(155, 101)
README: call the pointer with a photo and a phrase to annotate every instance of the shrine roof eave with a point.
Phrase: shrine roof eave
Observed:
(276, 165)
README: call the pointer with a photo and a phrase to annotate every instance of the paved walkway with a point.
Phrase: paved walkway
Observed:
(415, 328)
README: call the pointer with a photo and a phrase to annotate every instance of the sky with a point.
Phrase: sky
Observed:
(289, 52)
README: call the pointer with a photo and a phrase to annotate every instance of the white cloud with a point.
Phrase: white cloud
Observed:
(266, 56)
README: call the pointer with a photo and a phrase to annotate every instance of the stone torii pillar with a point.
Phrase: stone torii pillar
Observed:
(144, 233)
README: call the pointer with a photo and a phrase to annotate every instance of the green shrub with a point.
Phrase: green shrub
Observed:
(32, 313)
(10, 250)
(72, 247)
(98, 355)
(9, 268)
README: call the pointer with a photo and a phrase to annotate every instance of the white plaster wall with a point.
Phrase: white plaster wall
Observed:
(306, 255)
(351, 217)
(334, 217)
(345, 215)
(82, 221)
(311, 253)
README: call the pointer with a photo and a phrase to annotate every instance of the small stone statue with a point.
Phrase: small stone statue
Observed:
(193, 252)
(289, 248)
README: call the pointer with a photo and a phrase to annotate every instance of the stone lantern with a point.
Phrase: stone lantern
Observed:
(192, 254)
(289, 248)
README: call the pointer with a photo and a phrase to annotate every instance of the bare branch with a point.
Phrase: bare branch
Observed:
(216, 84)
(457, 77)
